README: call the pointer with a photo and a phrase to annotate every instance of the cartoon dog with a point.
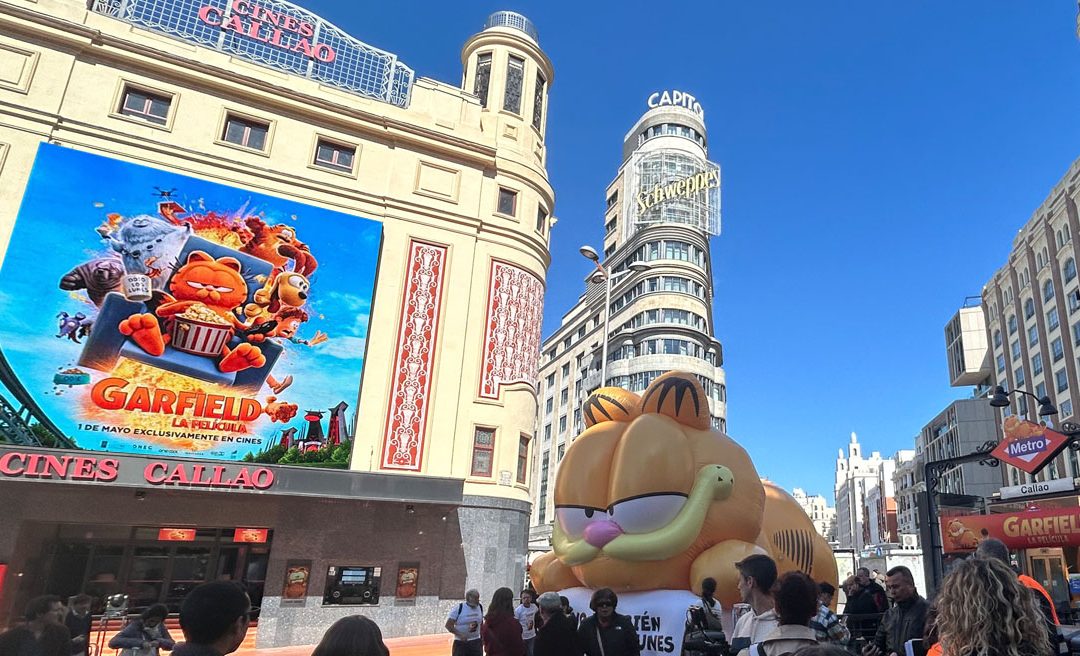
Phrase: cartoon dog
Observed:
(286, 289)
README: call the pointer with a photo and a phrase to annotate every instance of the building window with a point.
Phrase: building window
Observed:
(483, 77)
(560, 453)
(1074, 300)
(542, 501)
(1076, 334)
(564, 395)
(1033, 335)
(541, 220)
(1062, 380)
(1019, 377)
(1056, 349)
(1012, 324)
(547, 433)
(523, 458)
(1015, 350)
(150, 107)
(566, 370)
(483, 453)
(1052, 319)
(334, 156)
(1048, 290)
(562, 424)
(549, 404)
(1069, 269)
(538, 101)
(1029, 308)
(507, 201)
(551, 380)
(1036, 364)
(1040, 390)
(997, 339)
(515, 78)
(246, 132)
(1066, 409)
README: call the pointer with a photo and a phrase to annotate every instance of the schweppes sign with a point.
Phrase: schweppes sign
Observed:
(681, 188)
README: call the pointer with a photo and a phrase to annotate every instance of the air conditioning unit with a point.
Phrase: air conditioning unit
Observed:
(909, 541)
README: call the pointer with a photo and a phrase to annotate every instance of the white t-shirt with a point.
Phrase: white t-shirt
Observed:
(467, 620)
(756, 627)
(527, 618)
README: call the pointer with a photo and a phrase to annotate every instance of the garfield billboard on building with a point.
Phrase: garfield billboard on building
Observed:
(156, 313)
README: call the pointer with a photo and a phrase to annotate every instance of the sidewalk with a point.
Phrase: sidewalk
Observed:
(430, 645)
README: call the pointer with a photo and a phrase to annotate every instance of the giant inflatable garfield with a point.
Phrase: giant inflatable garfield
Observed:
(649, 497)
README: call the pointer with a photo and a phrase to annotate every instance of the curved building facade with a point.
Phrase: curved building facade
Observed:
(263, 99)
(662, 209)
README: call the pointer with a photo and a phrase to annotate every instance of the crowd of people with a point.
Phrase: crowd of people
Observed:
(982, 609)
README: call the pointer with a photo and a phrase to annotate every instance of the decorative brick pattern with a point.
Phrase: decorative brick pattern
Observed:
(515, 313)
(414, 360)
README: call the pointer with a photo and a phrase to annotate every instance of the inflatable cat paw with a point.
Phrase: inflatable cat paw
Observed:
(650, 497)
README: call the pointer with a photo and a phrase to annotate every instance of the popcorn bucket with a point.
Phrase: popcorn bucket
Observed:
(200, 337)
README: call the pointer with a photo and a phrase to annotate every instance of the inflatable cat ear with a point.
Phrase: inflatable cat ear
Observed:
(610, 404)
(679, 396)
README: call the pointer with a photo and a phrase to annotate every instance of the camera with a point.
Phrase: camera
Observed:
(116, 605)
(699, 638)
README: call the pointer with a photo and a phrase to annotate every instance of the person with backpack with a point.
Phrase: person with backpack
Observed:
(796, 601)
(711, 606)
(464, 622)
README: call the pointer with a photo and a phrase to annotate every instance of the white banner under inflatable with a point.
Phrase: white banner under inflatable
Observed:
(658, 615)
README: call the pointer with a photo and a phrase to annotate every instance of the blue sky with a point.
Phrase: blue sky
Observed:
(877, 160)
(65, 197)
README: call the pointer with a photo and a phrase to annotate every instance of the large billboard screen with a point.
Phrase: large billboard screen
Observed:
(156, 313)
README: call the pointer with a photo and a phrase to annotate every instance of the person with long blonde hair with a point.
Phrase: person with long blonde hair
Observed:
(983, 610)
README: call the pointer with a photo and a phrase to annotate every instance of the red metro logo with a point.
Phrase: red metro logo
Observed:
(1028, 446)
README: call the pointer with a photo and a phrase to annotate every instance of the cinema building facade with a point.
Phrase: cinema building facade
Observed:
(320, 383)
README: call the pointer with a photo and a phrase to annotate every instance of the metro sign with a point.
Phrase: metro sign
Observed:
(1028, 446)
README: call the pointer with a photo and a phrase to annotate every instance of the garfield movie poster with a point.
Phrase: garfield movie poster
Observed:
(154, 313)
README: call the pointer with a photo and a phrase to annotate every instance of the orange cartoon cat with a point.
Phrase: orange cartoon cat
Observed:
(202, 284)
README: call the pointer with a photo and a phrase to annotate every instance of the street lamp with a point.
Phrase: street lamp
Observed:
(934, 470)
(1000, 399)
(605, 274)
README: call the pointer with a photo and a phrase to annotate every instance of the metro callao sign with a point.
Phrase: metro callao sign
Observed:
(1028, 446)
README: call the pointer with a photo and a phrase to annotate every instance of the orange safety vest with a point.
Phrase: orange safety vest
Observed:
(1036, 586)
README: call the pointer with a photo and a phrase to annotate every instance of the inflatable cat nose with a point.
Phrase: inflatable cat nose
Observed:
(601, 532)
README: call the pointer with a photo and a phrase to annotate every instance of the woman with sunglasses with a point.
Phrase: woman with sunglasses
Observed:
(605, 632)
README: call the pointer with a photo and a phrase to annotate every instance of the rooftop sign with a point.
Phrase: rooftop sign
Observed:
(276, 34)
(676, 99)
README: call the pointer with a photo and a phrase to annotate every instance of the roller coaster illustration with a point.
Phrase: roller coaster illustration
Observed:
(19, 412)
